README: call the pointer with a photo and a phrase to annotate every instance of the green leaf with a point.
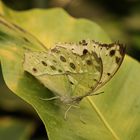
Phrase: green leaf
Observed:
(112, 115)
(13, 129)
(11, 102)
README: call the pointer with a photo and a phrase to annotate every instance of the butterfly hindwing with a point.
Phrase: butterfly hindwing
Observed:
(47, 70)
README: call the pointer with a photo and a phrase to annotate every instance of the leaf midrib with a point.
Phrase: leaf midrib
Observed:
(106, 124)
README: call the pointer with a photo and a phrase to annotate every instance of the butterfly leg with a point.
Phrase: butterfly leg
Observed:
(65, 116)
(49, 99)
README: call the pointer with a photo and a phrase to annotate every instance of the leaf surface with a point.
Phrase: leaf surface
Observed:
(118, 107)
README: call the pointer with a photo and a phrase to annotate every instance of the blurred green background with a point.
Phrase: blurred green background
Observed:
(119, 18)
(121, 21)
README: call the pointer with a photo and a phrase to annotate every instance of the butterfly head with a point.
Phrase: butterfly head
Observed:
(71, 100)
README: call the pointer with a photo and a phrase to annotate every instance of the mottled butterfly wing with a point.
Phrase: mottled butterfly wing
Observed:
(112, 56)
(66, 73)
(108, 58)
(81, 70)
(14, 36)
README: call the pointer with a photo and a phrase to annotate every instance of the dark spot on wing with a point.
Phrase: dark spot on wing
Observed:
(72, 65)
(89, 62)
(104, 45)
(62, 58)
(71, 83)
(83, 42)
(53, 68)
(85, 51)
(34, 70)
(26, 40)
(117, 59)
(44, 63)
(95, 80)
(112, 52)
(54, 61)
(60, 70)
(108, 74)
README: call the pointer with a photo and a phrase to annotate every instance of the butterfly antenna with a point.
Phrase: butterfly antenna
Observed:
(99, 93)
(49, 99)
(96, 93)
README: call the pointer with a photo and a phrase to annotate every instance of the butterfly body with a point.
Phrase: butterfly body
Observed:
(73, 71)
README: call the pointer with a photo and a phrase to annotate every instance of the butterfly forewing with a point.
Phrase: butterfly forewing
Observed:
(106, 58)
(112, 56)
(82, 69)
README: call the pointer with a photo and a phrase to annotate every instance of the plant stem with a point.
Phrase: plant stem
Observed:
(102, 119)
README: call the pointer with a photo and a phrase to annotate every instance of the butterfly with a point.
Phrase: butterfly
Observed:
(71, 71)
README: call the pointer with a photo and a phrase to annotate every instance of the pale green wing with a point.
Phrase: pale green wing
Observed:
(64, 72)
(83, 71)
(12, 35)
